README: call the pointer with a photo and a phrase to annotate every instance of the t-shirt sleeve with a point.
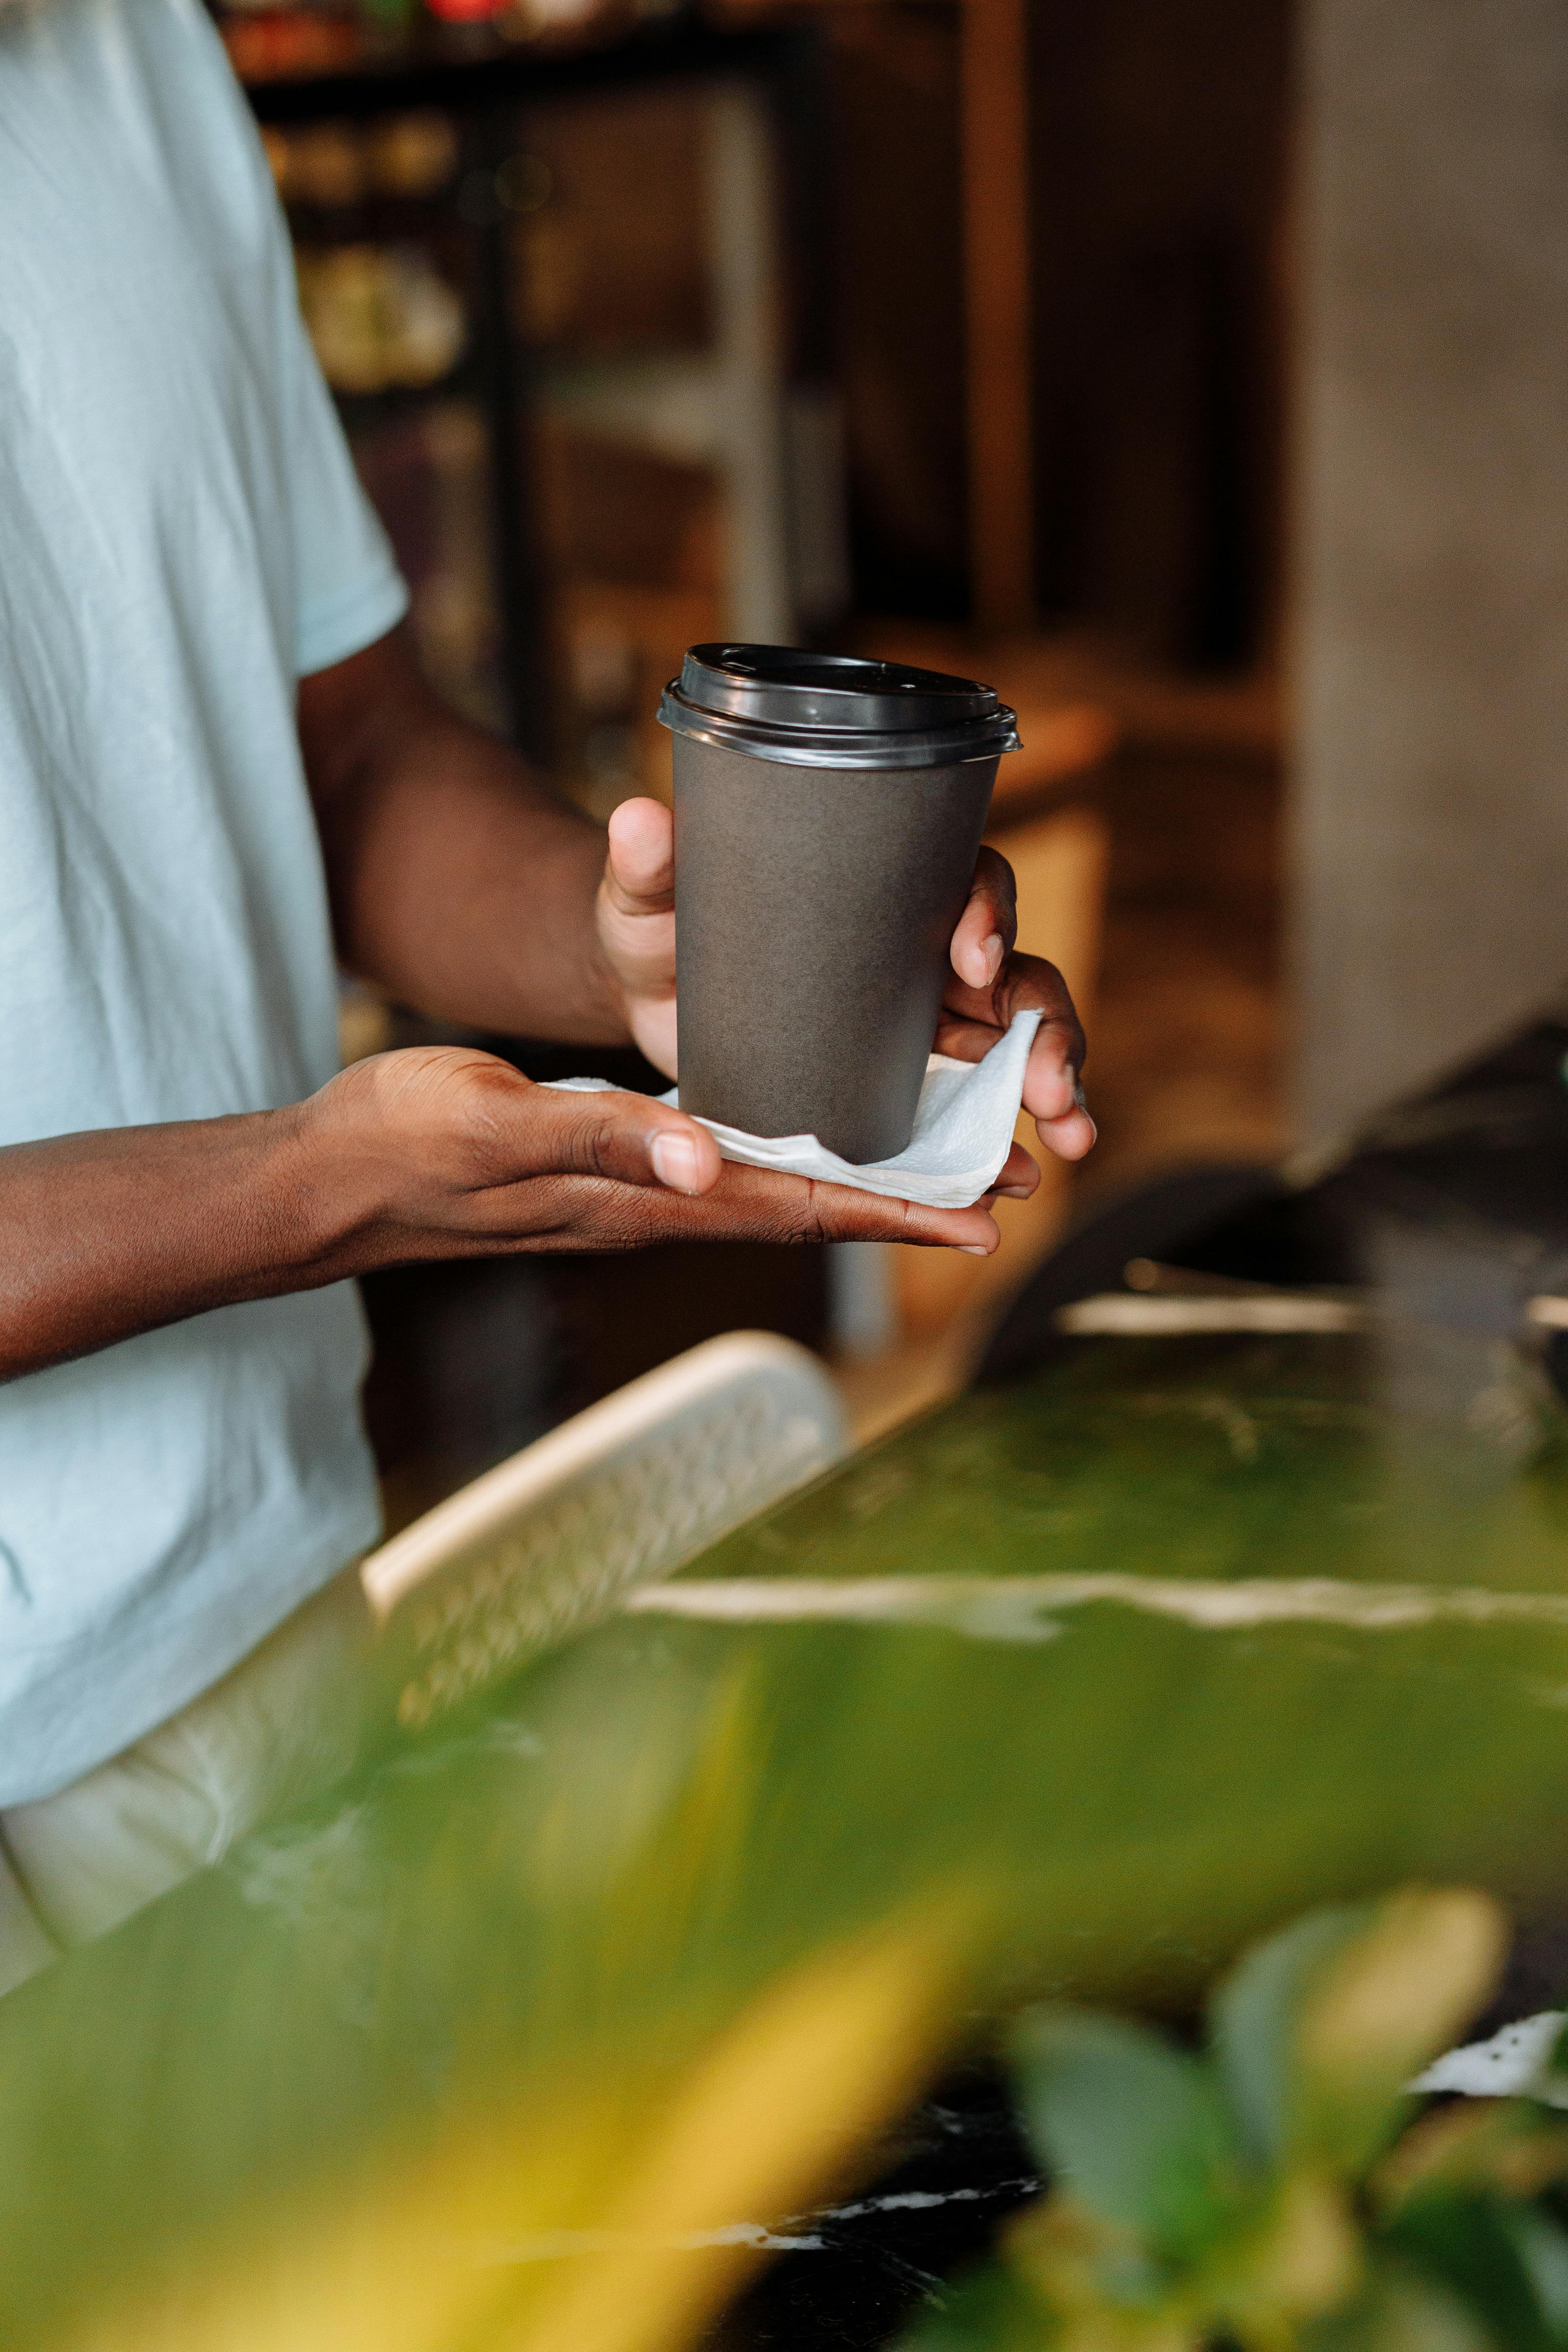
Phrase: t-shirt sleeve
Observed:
(348, 590)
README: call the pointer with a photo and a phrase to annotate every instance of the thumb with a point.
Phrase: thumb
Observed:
(627, 1137)
(639, 873)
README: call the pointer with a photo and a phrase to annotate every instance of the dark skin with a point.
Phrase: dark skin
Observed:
(462, 888)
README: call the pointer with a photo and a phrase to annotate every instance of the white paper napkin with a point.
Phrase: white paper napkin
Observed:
(963, 1131)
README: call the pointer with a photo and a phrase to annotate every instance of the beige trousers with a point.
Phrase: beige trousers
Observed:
(288, 1720)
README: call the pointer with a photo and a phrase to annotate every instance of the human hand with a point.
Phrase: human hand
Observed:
(442, 1151)
(636, 915)
(991, 982)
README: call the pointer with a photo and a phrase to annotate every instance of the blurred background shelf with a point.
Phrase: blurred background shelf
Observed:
(609, 251)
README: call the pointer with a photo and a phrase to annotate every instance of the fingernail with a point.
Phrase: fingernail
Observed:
(975, 1249)
(993, 953)
(673, 1160)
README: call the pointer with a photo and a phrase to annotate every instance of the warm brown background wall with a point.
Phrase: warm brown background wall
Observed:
(1159, 169)
(1160, 165)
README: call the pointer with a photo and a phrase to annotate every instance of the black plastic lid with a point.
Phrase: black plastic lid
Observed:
(833, 710)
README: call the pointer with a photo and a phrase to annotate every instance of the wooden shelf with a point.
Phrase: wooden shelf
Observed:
(479, 71)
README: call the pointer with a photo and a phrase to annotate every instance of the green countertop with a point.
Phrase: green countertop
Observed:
(1075, 1685)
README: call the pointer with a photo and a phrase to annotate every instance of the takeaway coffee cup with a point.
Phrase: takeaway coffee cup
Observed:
(827, 812)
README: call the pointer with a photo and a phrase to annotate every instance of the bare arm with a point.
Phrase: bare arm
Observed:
(457, 882)
(432, 1153)
(460, 884)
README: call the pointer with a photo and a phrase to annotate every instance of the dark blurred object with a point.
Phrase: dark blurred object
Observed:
(621, 1316)
(428, 472)
(469, 1366)
(1173, 552)
(899, 290)
(1158, 1221)
(1452, 1207)
(960, 2167)
(611, 297)
(633, 555)
(608, 243)
(1160, 154)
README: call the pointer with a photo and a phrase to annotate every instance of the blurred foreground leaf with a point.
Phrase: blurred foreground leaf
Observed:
(486, 2242)
(1135, 2129)
(1403, 2313)
(1223, 2200)
(1320, 2029)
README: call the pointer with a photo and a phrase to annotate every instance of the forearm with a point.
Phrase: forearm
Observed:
(111, 1233)
(458, 883)
(437, 1152)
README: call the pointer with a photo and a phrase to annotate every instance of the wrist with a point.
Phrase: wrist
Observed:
(328, 1187)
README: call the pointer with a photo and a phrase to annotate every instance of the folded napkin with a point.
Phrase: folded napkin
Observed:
(963, 1131)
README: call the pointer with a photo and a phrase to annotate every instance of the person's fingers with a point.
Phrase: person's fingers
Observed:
(627, 1139)
(756, 1204)
(1029, 983)
(1053, 1091)
(639, 872)
(631, 1139)
(464, 1156)
(635, 918)
(1050, 1074)
(1026, 983)
(555, 1168)
(1070, 1136)
(989, 923)
(1018, 1178)
(801, 1210)
(531, 1132)
(973, 1019)
(1053, 1094)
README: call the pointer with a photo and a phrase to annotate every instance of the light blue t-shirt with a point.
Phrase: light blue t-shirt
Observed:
(181, 538)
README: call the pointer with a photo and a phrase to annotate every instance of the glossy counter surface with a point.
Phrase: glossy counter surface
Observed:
(540, 2033)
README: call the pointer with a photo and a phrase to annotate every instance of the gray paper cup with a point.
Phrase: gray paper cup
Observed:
(828, 813)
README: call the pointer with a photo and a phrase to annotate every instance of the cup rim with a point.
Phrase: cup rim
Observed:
(829, 746)
(796, 686)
